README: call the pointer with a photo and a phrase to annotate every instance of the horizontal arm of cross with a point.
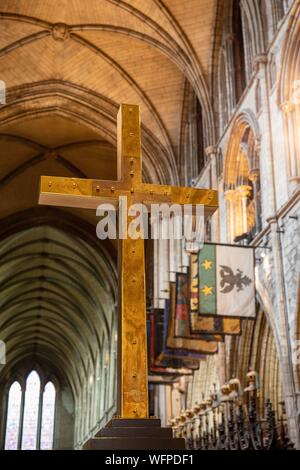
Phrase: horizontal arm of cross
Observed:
(90, 193)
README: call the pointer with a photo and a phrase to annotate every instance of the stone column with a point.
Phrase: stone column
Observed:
(230, 85)
(291, 141)
(279, 307)
(244, 192)
(283, 335)
(230, 198)
(211, 153)
(260, 63)
(40, 412)
(254, 177)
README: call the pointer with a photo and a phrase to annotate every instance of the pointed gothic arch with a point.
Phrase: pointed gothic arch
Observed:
(241, 178)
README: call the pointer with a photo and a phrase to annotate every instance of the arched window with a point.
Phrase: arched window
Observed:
(31, 412)
(192, 155)
(242, 183)
(13, 416)
(48, 414)
(30, 415)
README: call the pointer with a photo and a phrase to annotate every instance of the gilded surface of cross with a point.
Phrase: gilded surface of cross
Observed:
(89, 194)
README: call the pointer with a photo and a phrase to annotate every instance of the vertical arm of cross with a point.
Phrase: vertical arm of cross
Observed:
(133, 373)
(129, 145)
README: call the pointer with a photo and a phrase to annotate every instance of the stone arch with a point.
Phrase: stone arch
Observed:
(175, 45)
(241, 177)
(91, 109)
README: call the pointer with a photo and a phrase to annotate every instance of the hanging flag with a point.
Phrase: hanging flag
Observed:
(210, 324)
(188, 344)
(182, 328)
(226, 281)
(169, 365)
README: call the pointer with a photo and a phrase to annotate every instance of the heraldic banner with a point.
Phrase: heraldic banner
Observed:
(226, 281)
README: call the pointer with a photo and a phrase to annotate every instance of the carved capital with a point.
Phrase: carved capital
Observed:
(60, 32)
(230, 37)
(211, 150)
(258, 60)
(230, 195)
(243, 190)
(254, 174)
(287, 107)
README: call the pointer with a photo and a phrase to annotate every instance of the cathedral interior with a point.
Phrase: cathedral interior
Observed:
(218, 86)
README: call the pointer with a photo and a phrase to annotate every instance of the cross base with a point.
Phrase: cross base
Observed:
(134, 434)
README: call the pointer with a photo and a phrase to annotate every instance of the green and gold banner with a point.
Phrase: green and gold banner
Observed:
(226, 281)
(210, 324)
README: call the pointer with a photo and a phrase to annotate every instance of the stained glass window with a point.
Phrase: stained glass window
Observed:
(13, 416)
(31, 412)
(38, 417)
(48, 417)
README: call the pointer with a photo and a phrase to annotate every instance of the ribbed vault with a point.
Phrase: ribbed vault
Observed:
(112, 47)
(58, 296)
(67, 65)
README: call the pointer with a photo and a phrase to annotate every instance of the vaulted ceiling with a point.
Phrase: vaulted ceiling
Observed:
(67, 65)
(57, 299)
(59, 56)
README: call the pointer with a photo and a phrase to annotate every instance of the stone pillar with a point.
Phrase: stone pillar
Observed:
(243, 192)
(254, 177)
(291, 142)
(230, 198)
(211, 153)
(283, 336)
(230, 85)
(260, 64)
(40, 412)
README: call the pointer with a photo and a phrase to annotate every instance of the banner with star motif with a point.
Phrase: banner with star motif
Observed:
(226, 281)
(197, 345)
(210, 324)
(182, 327)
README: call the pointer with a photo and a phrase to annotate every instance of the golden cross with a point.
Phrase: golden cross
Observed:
(90, 193)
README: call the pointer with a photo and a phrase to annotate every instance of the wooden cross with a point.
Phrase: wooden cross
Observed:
(90, 193)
